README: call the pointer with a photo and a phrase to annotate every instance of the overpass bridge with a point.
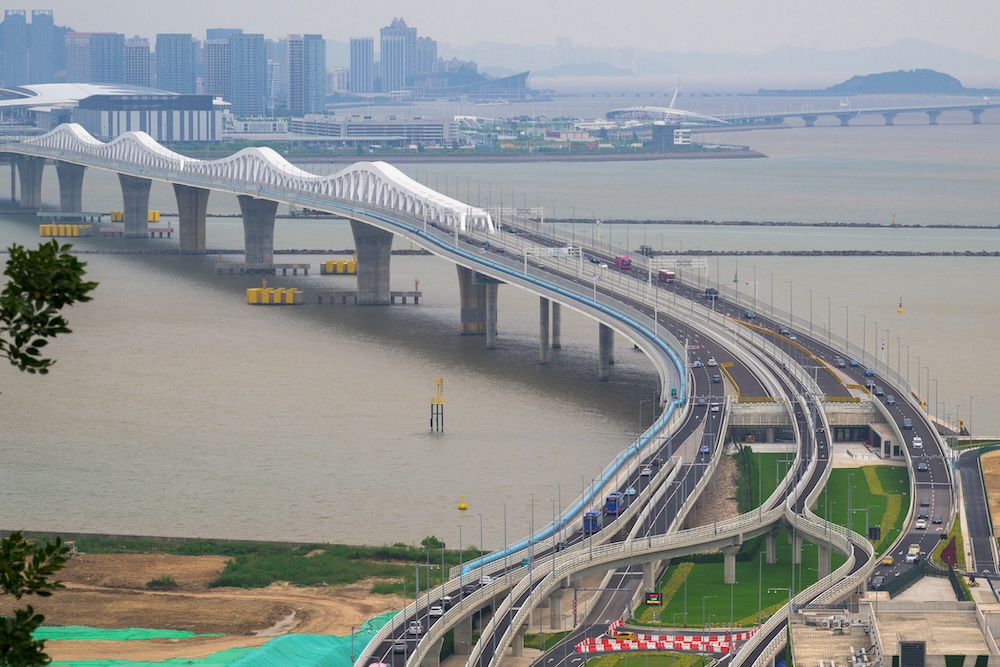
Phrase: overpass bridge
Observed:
(380, 201)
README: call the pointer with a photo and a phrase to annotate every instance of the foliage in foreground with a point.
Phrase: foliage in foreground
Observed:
(26, 568)
(40, 284)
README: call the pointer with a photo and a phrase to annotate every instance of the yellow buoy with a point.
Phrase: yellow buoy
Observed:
(461, 503)
(900, 309)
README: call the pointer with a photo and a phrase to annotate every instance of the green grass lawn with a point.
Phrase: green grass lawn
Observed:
(882, 510)
(760, 589)
(765, 471)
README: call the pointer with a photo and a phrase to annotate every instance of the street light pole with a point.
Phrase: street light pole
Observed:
(810, 309)
(791, 309)
(703, 598)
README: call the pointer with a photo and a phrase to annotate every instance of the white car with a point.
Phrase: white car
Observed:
(485, 580)
(435, 611)
(712, 362)
(918, 442)
(921, 524)
(646, 472)
(416, 628)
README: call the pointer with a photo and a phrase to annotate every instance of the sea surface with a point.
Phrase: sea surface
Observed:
(176, 409)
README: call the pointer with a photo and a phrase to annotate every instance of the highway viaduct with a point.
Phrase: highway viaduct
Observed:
(380, 202)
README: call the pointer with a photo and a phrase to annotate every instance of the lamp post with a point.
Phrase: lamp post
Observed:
(907, 364)
(935, 398)
(864, 338)
(482, 562)
(847, 326)
(865, 510)
(829, 327)
(771, 293)
(791, 309)
(461, 567)
(703, 598)
(970, 415)
(809, 289)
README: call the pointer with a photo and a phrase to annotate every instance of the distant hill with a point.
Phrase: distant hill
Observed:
(908, 82)
(585, 69)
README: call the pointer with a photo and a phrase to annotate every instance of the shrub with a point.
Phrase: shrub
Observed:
(164, 583)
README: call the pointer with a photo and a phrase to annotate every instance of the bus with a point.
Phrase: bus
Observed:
(665, 276)
(623, 263)
(613, 503)
(591, 523)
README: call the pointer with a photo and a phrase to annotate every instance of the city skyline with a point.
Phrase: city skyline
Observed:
(720, 26)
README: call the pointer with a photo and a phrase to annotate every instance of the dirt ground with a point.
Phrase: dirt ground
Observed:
(109, 591)
(718, 501)
(991, 479)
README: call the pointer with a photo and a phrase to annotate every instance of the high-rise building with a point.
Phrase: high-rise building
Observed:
(427, 55)
(175, 63)
(306, 74)
(137, 61)
(107, 58)
(393, 63)
(215, 64)
(222, 33)
(277, 72)
(78, 57)
(398, 55)
(14, 48)
(248, 75)
(42, 46)
(362, 77)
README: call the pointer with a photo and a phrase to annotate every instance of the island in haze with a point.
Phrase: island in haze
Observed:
(902, 82)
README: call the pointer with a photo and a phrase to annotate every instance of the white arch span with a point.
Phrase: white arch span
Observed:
(363, 183)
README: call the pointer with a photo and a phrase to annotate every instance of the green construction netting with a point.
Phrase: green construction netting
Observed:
(285, 651)
(219, 659)
(84, 633)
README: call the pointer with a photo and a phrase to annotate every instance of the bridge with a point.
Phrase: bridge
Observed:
(845, 114)
(794, 387)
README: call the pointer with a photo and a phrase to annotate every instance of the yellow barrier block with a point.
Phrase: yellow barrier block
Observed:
(74, 230)
(253, 295)
(352, 266)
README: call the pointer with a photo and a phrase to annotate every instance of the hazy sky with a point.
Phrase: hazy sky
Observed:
(714, 26)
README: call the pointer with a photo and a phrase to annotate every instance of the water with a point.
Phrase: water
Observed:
(176, 409)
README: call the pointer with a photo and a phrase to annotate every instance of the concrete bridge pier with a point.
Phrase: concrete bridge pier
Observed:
(770, 549)
(258, 229)
(491, 314)
(543, 331)
(474, 306)
(556, 325)
(729, 565)
(890, 117)
(796, 549)
(932, 117)
(605, 350)
(977, 116)
(845, 118)
(649, 575)
(70, 186)
(135, 197)
(192, 209)
(463, 636)
(30, 170)
(433, 656)
(810, 121)
(517, 644)
(823, 567)
(373, 247)
(555, 609)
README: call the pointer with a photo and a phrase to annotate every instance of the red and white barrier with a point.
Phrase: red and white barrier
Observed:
(714, 643)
